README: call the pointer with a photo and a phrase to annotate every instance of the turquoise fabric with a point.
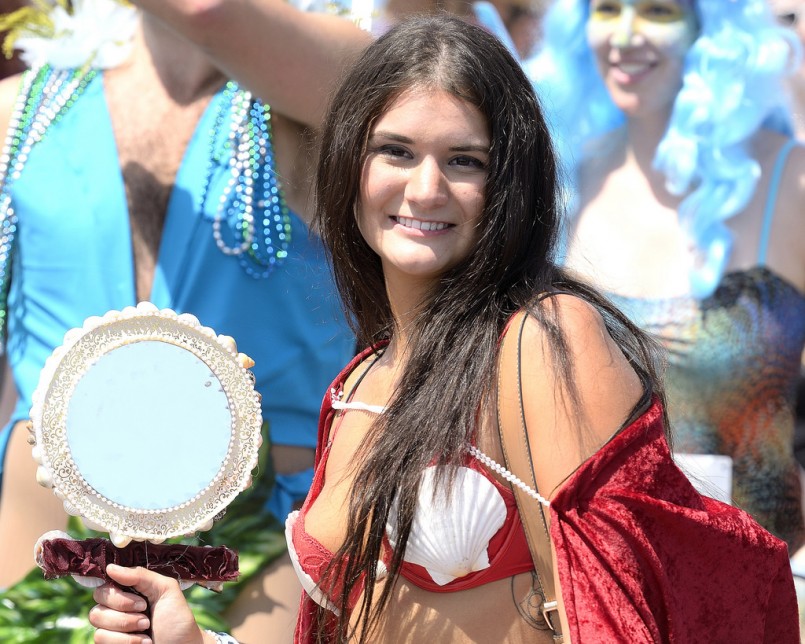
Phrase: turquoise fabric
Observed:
(74, 259)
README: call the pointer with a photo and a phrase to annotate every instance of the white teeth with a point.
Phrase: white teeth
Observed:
(420, 225)
(632, 69)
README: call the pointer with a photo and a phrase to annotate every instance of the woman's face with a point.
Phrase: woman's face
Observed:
(640, 47)
(423, 183)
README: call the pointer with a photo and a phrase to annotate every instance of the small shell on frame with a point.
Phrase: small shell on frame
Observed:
(189, 319)
(245, 361)
(120, 540)
(449, 536)
(44, 477)
(70, 509)
(92, 525)
(147, 307)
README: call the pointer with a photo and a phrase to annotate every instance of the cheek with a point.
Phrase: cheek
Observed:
(477, 207)
(599, 33)
(674, 38)
(379, 183)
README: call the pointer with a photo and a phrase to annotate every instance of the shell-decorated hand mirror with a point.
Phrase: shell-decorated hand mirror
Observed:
(146, 424)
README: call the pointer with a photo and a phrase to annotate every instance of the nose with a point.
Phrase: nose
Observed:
(427, 185)
(625, 35)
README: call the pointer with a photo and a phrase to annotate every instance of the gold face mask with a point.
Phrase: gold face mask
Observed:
(661, 22)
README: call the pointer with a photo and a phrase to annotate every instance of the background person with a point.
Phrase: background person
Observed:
(128, 196)
(687, 212)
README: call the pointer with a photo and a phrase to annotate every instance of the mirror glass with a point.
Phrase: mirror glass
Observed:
(145, 454)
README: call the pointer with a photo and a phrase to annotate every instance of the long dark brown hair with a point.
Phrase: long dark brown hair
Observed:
(453, 347)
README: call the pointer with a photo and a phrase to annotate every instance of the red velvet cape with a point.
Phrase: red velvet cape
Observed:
(643, 557)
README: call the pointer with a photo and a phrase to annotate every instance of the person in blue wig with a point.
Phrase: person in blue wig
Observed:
(685, 190)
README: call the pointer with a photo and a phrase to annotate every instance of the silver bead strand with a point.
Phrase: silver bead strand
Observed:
(239, 164)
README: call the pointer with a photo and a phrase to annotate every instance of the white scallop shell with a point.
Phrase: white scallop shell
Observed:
(450, 539)
(39, 547)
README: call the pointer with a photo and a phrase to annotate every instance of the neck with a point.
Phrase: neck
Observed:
(797, 91)
(185, 72)
(643, 136)
(405, 298)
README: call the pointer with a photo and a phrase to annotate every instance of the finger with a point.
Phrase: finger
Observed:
(151, 584)
(111, 637)
(118, 599)
(108, 619)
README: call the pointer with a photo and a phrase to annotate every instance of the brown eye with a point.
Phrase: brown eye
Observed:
(606, 10)
(661, 11)
(787, 19)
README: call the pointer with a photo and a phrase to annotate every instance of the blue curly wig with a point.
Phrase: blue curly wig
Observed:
(732, 86)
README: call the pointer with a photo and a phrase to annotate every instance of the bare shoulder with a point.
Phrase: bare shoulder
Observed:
(577, 390)
(9, 90)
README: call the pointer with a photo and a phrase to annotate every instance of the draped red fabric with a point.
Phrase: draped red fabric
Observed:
(643, 557)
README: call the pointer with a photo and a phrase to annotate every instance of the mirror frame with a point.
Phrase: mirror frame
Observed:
(63, 370)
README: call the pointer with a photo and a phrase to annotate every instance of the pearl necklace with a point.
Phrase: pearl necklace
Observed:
(45, 96)
(252, 199)
(340, 405)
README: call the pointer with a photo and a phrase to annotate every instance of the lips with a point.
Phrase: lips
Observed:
(417, 224)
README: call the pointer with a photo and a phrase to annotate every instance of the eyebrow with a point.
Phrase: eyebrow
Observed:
(392, 136)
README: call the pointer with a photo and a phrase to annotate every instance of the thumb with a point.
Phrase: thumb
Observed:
(150, 584)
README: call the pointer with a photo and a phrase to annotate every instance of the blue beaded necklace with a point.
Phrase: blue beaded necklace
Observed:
(251, 210)
(252, 221)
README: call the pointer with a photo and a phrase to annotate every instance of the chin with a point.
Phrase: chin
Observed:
(633, 107)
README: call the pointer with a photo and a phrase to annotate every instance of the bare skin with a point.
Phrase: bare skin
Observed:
(637, 247)
(258, 42)
(791, 14)
(609, 389)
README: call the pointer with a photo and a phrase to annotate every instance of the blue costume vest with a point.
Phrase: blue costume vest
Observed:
(73, 259)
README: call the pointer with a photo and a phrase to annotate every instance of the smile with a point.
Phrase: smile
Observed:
(633, 68)
(627, 73)
(427, 226)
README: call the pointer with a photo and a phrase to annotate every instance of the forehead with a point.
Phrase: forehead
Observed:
(429, 102)
(685, 4)
(785, 6)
